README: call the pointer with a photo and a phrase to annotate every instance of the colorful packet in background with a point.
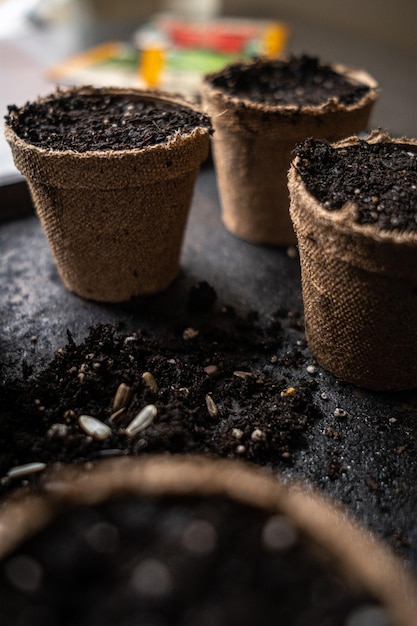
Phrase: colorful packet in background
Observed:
(173, 53)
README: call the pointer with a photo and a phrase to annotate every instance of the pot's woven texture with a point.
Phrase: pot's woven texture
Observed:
(114, 219)
(359, 293)
(252, 147)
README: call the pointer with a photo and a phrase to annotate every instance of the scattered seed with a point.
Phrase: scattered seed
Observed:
(290, 391)
(286, 455)
(25, 470)
(258, 435)
(211, 406)
(338, 412)
(324, 396)
(130, 339)
(184, 391)
(274, 358)
(240, 449)
(292, 252)
(117, 413)
(81, 377)
(142, 420)
(190, 333)
(94, 427)
(311, 369)
(69, 414)
(237, 433)
(122, 396)
(150, 381)
(392, 420)
(243, 375)
(211, 370)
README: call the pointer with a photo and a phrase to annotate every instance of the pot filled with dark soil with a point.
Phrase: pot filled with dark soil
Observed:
(354, 208)
(190, 541)
(260, 110)
(111, 173)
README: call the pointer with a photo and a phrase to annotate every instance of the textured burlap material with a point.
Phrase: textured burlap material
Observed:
(252, 147)
(359, 290)
(115, 219)
(353, 552)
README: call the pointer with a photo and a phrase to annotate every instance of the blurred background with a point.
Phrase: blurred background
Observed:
(45, 42)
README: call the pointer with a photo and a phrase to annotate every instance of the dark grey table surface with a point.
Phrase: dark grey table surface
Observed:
(376, 452)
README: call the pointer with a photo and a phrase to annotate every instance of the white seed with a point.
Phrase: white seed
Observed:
(25, 470)
(240, 450)
(94, 428)
(211, 406)
(338, 412)
(142, 420)
(237, 433)
(150, 381)
(122, 396)
(241, 374)
(258, 435)
(292, 252)
(117, 414)
(311, 369)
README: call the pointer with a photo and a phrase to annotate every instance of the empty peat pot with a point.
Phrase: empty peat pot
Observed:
(260, 109)
(111, 173)
(354, 209)
(187, 541)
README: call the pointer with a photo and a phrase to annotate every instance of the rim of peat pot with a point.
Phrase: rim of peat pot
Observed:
(354, 549)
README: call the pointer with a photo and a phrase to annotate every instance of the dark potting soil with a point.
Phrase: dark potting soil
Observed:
(219, 390)
(300, 81)
(100, 121)
(178, 562)
(380, 179)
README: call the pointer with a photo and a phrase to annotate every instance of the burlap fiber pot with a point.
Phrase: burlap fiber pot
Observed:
(252, 147)
(359, 290)
(115, 219)
(362, 561)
